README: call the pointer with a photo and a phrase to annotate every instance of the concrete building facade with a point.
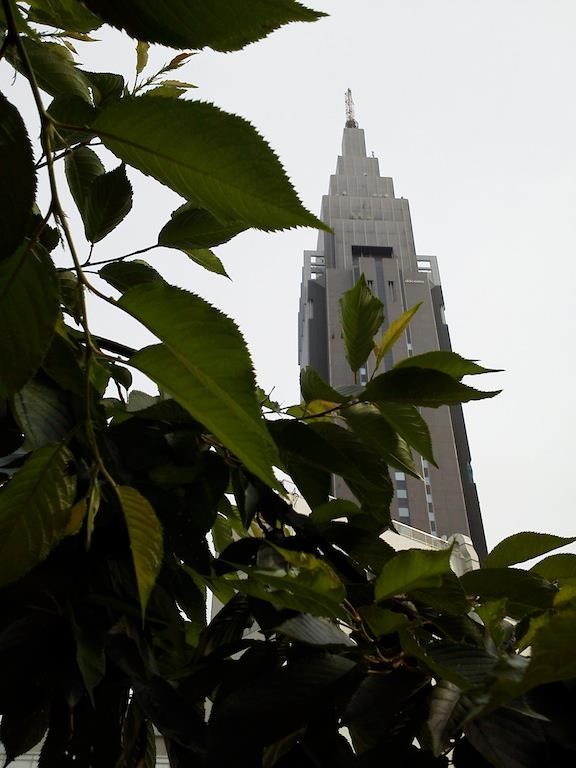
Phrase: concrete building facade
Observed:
(372, 235)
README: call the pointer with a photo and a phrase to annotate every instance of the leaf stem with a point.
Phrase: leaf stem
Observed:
(126, 255)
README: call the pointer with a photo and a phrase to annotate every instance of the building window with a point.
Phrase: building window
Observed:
(392, 290)
(404, 512)
(424, 265)
(401, 493)
(363, 375)
(429, 498)
(399, 476)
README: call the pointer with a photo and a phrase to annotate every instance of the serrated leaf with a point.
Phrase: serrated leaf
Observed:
(126, 274)
(71, 111)
(447, 362)
(166, 91)
(34, 511)
(410, 425)
(108, 202)
(382, 621)
(43, 413)
(69, 15)
(141, 55)
(205, 365)
(193, 228)
(556, 567)
(54, 71)
(82, 166)
(215, 160)
(314, 630)
(525, 592)
(439, 726)
(313, 387)
(524, 546)
(28, 312)
(421, 387)
(207, 259)
(410, 570)
(371, 427)
(17, 179)
(393, 333)
(145, 534)
(90, 657)
(106, 86)
(197, 24)
(362, 315)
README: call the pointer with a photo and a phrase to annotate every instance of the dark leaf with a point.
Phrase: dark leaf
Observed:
(362, 315)
(126, 274)
(54, 71)
(43, 413)
(82, 167)
(64, 14)
(195, 24)
(420, 386)
(17, 179)
(410, 570)
(524, 546)
(106, 86)
(204, 164)
(447, 362)
(193, 228)
(71, 111)
(313, 387)
(556, 567)
(23, 729)
(108, 201)
(35, 509)
(28, 312)
(314, 631)
(525, 592)
(410, 425)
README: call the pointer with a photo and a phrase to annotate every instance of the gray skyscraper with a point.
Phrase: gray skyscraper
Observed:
(373, 236)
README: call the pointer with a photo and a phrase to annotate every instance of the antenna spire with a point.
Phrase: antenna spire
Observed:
(351, 121)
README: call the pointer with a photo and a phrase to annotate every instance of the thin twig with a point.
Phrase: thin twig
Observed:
(126, 255)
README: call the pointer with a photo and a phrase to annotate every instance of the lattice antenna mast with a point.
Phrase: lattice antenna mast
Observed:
(351, 121)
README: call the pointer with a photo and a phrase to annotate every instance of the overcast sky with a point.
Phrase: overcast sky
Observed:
(470, 107)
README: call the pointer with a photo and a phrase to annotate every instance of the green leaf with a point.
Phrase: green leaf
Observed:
(215, 160)
(54, 71)
(34, 511)
(71, 111)
(106, 86)
(362, 315)
(90, 657)
(205, 258)
(126, 274)
(194, 228)
(23, 728)
(393, 333)
(333, 510)
(421, 387)
(28, 313)
(381, 621)
(307, 584)
(314, 630)
(410, 425)
(525, 592)
(447, 362)
(204, 364)
(556, 567)
(371, 427)
(69, 15)
(145, 534)
(443, 711)
(141, 56)
(224, 25)
(82, 167)
(552, 650)
(43, 413)
(410, 570)
(108, 201)
(524, 546)
(17, 179)
(313, 387)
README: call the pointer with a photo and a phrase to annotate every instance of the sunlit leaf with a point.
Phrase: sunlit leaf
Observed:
(145, 534)
(393, 333)
(412, 569)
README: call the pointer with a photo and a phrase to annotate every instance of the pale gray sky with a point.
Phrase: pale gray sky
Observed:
(469, 106)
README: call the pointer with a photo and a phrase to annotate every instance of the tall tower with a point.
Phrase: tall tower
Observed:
(372, 235)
